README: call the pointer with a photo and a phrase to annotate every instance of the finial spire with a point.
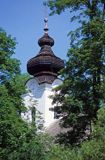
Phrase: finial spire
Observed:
(46, 17)
(46, 25)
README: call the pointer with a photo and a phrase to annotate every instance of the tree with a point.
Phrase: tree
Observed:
(82, 92)
(18, 140)
(94, 148)
(9, 66)
(11, 89)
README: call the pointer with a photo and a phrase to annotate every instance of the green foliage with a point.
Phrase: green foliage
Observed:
(18, 140)
(92, 149)
(82, 92)
(60, 153)
(8, 66)
(12, 126)
(31, 148)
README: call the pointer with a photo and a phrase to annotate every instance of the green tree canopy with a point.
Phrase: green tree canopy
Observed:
(82, 92)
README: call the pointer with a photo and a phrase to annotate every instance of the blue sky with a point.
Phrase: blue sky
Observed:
(23, 19)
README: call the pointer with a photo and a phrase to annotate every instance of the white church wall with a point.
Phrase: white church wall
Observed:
(40, 93)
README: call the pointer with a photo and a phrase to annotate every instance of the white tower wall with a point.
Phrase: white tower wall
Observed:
(40, 93)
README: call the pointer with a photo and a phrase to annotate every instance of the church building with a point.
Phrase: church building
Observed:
(44, 68)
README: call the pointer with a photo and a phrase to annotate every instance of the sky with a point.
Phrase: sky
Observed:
(24, 20)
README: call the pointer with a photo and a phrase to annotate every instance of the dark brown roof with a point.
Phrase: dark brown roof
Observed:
(46, 40)
(45, 65)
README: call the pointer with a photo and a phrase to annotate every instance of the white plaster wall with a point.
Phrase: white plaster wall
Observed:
(41, 94)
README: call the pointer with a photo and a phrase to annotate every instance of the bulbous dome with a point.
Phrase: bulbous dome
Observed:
(45, 65)
(46, 40)
(45, 62)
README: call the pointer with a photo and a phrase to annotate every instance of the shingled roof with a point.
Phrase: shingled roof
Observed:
(45, 65)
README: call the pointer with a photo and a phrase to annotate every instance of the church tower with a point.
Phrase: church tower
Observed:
(44, 68)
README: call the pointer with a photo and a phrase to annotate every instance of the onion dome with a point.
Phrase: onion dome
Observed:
(45, 65)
